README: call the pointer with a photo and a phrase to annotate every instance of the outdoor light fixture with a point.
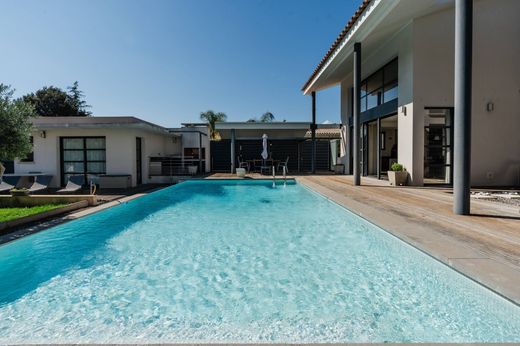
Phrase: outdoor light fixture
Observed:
(43, 134)
(403, 110)
(490, 106)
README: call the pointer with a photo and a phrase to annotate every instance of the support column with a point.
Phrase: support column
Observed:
(356, 111)
(200, 154)
(313, 134)
(233, 158)
(378, 152)
(462, 121)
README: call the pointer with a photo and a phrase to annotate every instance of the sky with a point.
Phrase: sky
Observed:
(166, 61)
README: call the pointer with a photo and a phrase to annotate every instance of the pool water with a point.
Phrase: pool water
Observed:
(237, 261)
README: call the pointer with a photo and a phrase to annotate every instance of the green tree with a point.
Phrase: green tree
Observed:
(211, 118)
(15, 129)
(267, 117)
(77, 100)
(54, 102)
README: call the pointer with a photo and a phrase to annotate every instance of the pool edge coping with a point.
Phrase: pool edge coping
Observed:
(416, 245)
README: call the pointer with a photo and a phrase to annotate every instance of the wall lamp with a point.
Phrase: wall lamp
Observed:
(490, 106)
(43, 134)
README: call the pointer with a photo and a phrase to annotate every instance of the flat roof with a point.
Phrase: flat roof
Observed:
(276, 125)
(96, 122)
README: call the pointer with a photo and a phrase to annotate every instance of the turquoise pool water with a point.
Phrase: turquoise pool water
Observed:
(229, 261)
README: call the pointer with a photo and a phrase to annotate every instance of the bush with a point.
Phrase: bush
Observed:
(397, 167)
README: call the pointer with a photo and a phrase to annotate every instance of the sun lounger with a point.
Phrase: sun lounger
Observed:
(8, 183)
(74, 184)
(41, 182)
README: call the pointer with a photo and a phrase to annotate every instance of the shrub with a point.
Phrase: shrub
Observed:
(397, 167)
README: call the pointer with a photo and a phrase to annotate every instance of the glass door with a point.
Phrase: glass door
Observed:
(438, 156)
(82, 156)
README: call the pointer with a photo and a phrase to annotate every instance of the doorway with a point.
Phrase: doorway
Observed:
(438, 155)
(378, 143)
(138, 160)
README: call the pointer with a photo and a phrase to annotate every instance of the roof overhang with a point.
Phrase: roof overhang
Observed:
(379, 21)
(95, 122)
(269, 126)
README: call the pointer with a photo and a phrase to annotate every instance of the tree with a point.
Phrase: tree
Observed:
(267, 117)
(15, 118)
(252, 120)
(77, 101)
(54, 102)
(211, 118)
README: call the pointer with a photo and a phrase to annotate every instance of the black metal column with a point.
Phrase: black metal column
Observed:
(356, 111)
(313, 133)
(200, 155)
(233, 158)
(462, 119)
(378, 151)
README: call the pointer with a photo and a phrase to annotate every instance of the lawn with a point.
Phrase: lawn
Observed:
(8, 214)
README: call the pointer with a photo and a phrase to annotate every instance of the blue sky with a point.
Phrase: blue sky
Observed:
(166, 61)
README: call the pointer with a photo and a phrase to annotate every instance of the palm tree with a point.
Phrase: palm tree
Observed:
(211, 118)
(267, 117)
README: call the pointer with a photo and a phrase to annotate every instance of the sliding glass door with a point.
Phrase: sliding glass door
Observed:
(82, 156)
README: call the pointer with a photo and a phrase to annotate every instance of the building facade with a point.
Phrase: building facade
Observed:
(407, 89)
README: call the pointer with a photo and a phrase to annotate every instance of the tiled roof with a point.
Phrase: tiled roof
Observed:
(332, 133)
(338, 40)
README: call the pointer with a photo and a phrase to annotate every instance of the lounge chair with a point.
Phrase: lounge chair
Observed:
(74, 184)
(8, 183)
(41, 183)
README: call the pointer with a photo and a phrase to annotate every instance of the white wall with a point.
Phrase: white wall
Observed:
(496, 78)
(120, 151)
(425, 48)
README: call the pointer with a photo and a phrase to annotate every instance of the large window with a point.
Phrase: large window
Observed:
(380, 87)
(82, 156)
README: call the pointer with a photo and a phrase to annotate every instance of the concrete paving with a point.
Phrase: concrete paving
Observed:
(484, 246)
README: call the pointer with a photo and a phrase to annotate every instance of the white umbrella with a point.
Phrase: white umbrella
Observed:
(265, 154)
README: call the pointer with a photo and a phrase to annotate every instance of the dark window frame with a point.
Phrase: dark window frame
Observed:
(85, 161)
(380, 89)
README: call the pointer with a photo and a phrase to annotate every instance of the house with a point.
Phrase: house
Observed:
(125, 150)
(404, 52)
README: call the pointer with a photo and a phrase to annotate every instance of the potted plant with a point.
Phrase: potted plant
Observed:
(397, 175)
(19, 192)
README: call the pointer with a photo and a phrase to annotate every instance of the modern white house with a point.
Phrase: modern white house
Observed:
(405, 54)
(121, 151)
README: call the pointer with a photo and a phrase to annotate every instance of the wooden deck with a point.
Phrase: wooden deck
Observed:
(485, 246)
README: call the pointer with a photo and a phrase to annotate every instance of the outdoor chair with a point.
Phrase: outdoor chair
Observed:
(41, 183)
(8, 183)
(74, 184)
(283, 164)
(243, 164)
(265, 167)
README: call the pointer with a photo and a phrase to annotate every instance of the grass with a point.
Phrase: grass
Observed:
(8, 214)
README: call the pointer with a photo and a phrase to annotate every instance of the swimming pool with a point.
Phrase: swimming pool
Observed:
(237, 261)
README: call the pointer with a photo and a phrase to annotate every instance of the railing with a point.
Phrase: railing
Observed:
(169, 166)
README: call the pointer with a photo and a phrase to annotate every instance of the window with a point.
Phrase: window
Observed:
(82, 156)
(194, 152)
(380, 87)
(30, 156)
